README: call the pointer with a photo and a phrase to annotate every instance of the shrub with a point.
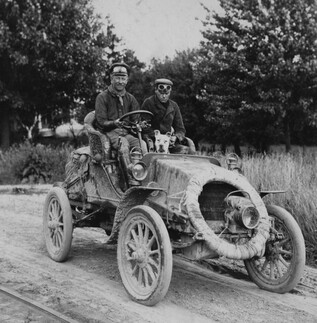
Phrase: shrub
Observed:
(30, 163)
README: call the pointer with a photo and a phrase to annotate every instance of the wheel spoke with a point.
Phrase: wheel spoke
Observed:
(60, 217)
(146, 277)
(52, 208)
(271, 270)
(54, 238)
(140, 233)
(131, 245)
(135, 237)
(279, 271)
(58, 240)
(134, 269)
(154, 263)
(56, 244)
(140, 276)
(286, 252)
(282, 242)
(60, 236)
(283, 261)
(151, 241)
(146, 234)
(51, 211)
(151, 272)
(154, 252)
(55, 208)
(266, 262)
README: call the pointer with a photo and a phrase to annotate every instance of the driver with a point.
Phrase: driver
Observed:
(112, 104)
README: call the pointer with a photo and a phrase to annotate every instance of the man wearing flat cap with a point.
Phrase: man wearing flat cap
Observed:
(166, 112)
(113, 103)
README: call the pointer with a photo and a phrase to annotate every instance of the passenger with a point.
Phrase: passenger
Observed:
(166, 117)
(113, 103)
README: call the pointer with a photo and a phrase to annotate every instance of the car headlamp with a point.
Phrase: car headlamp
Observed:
(139, 171)
(243, 212)
(248, 217)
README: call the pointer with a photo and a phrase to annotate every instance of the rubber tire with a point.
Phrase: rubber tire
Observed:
(293, 274)
(147, 217)
(57, 204)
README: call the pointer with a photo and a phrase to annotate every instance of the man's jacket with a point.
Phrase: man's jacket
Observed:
(165, 116)
(110, 107)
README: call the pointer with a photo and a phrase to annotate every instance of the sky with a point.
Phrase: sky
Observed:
(156, 28)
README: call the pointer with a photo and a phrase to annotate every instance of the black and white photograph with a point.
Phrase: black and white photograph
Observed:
(158, 161)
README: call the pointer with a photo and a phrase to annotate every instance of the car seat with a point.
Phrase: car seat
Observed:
(99, 143)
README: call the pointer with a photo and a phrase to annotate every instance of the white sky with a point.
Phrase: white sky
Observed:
(156, 28)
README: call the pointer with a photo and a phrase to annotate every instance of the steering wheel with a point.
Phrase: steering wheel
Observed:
(138, 124)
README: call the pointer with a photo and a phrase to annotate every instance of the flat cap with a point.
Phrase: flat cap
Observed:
(163, 81)
(119, 69)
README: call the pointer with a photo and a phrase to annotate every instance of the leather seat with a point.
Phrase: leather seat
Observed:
(99, 143)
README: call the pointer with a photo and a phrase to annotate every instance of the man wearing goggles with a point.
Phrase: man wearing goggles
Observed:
(166, 112)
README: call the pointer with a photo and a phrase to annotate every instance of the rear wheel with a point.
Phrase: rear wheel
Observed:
(282, 265)
(145, 256)
(57, 224)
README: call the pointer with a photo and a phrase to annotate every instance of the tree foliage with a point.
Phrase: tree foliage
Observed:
(53, 54)
(257, 69)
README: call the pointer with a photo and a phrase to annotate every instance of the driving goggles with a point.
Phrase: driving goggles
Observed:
(164, 87)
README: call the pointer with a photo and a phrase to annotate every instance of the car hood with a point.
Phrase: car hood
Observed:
(183, 178)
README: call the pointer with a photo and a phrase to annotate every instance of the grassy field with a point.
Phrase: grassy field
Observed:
(295, 173)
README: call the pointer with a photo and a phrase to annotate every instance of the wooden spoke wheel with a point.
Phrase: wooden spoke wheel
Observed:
(282, 265)
(57, 224)
(144, 256)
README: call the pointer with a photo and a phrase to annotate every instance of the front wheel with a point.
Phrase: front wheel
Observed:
(144, 256)
(282, 265)
(57, 224)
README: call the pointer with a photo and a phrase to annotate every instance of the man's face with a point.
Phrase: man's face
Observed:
(163, 92)
(119, 82)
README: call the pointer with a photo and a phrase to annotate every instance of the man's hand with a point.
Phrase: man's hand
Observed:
(180, 137)
(145, 124)
(118, 123)
(172, 141)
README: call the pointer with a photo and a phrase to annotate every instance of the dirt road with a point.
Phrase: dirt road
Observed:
(87, 287)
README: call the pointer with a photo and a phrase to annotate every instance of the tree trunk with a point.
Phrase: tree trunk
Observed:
(287, 136)
(4, 127)
(237, 149)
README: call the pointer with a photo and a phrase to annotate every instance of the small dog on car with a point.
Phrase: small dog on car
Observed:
(167, 144)
(162, 142)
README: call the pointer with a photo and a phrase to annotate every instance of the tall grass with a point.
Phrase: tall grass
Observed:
(297, 175)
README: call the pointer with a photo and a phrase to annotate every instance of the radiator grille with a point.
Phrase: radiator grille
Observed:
(211, 200)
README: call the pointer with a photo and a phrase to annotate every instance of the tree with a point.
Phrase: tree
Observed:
(53, 56)
(258, 69)
(136, 84)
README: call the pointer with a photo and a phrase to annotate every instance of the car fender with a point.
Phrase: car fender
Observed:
(133, 196)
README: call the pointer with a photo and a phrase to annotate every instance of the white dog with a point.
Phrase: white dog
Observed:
(162, 142)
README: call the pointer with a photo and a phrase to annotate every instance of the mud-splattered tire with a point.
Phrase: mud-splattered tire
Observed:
(282, 265)
(144, 256)
(57, 224)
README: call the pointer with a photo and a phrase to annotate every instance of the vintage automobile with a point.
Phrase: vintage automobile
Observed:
(181, 204)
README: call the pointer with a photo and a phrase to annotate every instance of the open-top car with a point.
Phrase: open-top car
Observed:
(185, 204)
